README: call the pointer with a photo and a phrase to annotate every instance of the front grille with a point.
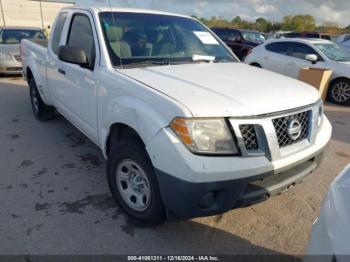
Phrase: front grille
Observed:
(249, 137)
(282, 125)
(18, 58)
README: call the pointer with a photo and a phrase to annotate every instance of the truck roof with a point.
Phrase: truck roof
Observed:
(123, 10)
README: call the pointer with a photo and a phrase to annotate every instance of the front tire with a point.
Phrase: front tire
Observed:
(41, 111)
(339, 92)
(133, 183)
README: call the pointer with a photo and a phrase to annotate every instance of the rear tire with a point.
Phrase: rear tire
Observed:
(133, 183)
(339, 92)
(41, 111)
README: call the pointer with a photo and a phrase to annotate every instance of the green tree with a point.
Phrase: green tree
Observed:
(237, 20)
(262, 25)
(298, 23)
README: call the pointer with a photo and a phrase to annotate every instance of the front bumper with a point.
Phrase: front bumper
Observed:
(185, 179)
(187, 200)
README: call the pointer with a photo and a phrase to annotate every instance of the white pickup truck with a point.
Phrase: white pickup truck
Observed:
(187, 130)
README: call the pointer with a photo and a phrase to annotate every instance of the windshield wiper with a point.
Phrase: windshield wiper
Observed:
(146, 63)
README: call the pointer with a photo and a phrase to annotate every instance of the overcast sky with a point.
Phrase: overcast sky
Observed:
(323, 10)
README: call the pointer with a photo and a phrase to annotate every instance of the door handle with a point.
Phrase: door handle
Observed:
(61, 71)
(291, 63)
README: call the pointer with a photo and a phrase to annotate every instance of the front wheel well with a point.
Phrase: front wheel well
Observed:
(119, 132)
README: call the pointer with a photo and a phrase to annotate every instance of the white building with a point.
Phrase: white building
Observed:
(34, 13)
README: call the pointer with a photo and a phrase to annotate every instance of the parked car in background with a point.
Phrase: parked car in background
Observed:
(342, 38)
(307, 35)
(241, 41)
(345, 44)
(289, 56)
(330, 236)
(187, 129)
(280, 34)
(10, 39)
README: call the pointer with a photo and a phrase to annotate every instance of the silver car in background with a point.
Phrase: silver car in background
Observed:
(10, 40)
(330, 235)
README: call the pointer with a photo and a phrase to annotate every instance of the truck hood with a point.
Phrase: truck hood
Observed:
(226, 89)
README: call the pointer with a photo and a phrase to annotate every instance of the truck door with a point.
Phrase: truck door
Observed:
(72, 86)
(56, 80)
(77, 93)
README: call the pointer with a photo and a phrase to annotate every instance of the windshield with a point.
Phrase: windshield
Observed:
(135, 39)
(253, 36)
(15, 36)
(334, 52)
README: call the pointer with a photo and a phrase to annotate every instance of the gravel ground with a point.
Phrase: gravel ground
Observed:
(54, 197)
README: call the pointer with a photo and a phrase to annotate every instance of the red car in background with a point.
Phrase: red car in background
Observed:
(241, 41)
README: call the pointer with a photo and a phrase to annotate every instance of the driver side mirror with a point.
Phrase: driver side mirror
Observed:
(73, 55)
(312, 58)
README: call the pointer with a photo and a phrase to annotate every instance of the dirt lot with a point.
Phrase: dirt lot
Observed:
(54, 197)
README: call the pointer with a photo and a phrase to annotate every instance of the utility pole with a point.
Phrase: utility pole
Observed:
(41, 14)
(2, 12)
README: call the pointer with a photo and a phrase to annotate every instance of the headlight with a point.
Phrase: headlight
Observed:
(205, 136)
(5, 56)
(320, 113)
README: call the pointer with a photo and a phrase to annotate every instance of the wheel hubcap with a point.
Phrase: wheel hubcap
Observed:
(133, 185)
(35, 101)
(341, 92)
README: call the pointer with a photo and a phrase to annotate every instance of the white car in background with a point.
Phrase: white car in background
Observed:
(288, 56)
(330, 235)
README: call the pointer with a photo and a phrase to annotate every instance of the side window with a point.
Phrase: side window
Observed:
(57, 32)
(327, 37)
(222, 34)
(300, 50)
(292, 35)
(81, 35)
(310, 35)
(279, 48)
(232, 34)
